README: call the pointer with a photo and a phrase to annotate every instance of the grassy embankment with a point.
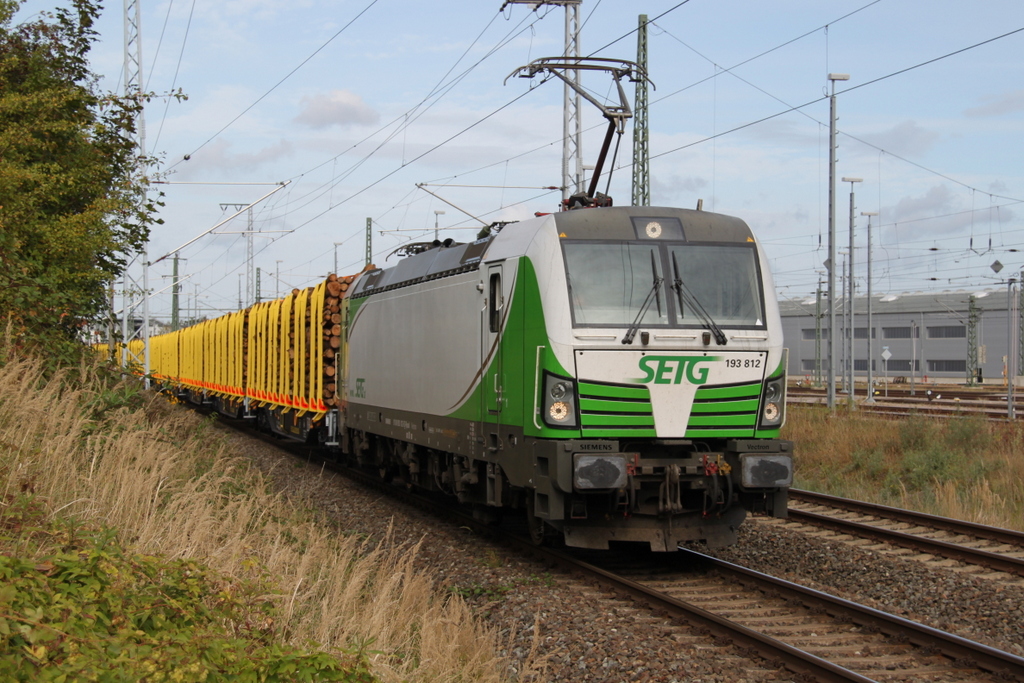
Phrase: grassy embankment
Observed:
(966, 468)
(133, 546)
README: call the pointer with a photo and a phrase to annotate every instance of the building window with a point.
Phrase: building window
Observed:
(897, 332)
(894, 365)
(947, 366)
(808, 365)
(809, 334)
(861, 365)
(862, 333)
(948, 332)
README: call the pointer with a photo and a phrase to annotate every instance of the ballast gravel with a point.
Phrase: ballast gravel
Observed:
(578, 632)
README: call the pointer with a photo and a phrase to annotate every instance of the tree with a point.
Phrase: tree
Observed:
(73, 189)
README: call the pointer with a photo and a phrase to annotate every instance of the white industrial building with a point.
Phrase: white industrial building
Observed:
(926, 336)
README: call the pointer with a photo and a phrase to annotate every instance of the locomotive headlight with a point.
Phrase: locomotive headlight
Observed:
(558, 390)
(559, 409)
(773, 403)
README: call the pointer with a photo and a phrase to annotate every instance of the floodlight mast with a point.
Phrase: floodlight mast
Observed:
(833, 344)
(871, 379)
(616, 115)
(852, 385)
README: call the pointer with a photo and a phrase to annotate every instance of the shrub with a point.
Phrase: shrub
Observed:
(75, 606)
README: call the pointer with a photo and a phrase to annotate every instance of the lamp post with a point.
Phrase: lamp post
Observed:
(437, 215)
(833, 348)
(871, 379)
(913, 355)
(843, 384)
(1011, 347)
(850, 288)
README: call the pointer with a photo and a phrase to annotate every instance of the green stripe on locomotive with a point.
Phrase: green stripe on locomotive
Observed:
(522, 356)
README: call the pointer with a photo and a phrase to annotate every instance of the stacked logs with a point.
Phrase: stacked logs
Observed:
(332, 331)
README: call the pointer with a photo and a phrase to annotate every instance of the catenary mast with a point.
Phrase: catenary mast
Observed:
(641, 151)
(572, 124)
(136, 292)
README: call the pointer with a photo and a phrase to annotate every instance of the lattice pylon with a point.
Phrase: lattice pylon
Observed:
(641, 151)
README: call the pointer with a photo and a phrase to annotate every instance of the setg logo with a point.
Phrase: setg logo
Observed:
(672, 369)
(360, 388)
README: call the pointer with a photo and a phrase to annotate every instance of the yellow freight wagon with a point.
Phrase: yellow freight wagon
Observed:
(286, 359)
(269, 361)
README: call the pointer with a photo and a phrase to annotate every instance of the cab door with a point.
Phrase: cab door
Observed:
(492, 361)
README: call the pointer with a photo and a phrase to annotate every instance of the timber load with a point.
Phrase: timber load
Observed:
(283, 354)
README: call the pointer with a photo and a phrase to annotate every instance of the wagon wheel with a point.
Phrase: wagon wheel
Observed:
(534, 524)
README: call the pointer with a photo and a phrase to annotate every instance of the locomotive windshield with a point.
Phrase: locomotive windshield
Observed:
(609, 281)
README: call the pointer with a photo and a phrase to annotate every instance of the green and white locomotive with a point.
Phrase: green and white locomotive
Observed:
(618, 373)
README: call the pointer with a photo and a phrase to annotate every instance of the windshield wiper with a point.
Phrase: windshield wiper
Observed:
(655, 293)
(682, 291)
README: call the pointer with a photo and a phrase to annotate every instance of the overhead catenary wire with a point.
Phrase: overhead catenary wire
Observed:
(276, 85)
(336, 180)
(546, 146)
(410, 116)
(816, 100)
(731, 130)
(808, 116)
(177, 70)
(665, 97)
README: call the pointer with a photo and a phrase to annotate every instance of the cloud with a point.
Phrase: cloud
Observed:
(906, 139)
(674, 187)
(336, 108)
(219, 156)
(937, 200)
(1007, 103)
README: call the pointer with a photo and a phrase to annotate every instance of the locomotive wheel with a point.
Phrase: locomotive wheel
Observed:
(534, 524)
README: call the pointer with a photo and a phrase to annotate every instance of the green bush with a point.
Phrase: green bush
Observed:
(74, 606)
(969, 434)
(917, 432)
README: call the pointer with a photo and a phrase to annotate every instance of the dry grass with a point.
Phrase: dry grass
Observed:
(154, 475)
(965, 468)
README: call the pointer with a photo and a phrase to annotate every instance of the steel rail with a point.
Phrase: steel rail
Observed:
(984, 656)
(956, 526)
(984, 558)
(792, 658)
(953, 403)
(953, 551)
(771, 649)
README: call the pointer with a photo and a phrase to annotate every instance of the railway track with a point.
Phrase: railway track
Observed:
(934, 400)
(991, 547)
(809, 633)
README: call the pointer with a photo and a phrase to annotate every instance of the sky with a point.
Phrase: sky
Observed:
(353, 103)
